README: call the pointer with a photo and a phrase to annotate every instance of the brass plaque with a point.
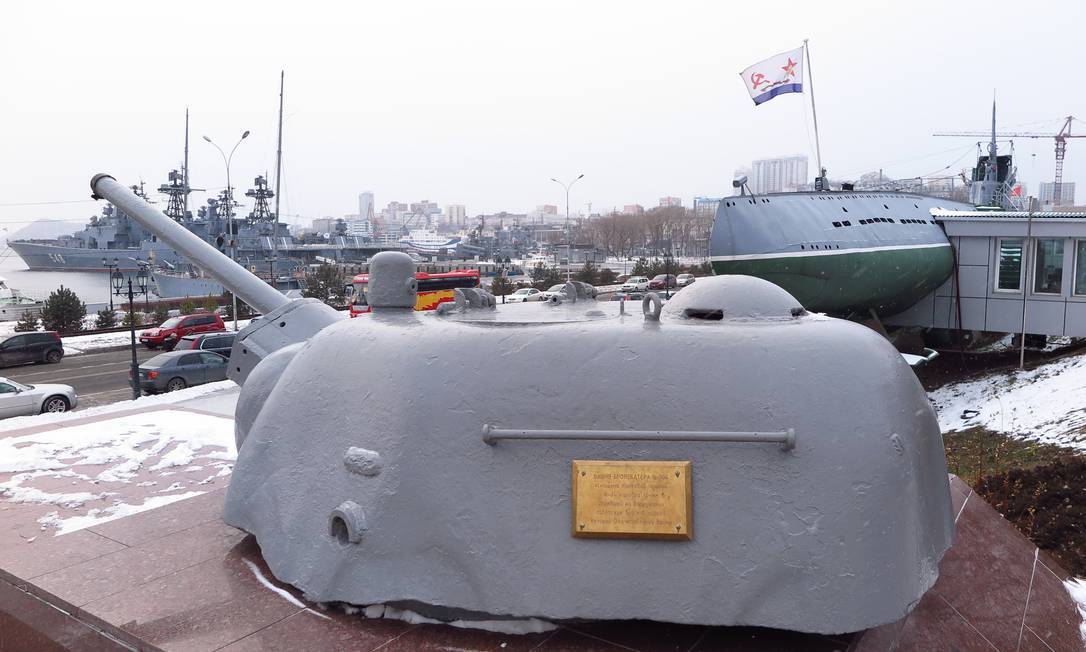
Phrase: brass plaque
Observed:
(632, 500)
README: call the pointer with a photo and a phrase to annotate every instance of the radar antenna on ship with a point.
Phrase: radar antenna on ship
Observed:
(261, 193)
(176, 189)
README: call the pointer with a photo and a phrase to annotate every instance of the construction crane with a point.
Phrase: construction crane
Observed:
(1061, 148)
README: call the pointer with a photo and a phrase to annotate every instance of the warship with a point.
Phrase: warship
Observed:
(257, 241)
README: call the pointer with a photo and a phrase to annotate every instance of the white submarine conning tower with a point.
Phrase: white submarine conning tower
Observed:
(797, 455)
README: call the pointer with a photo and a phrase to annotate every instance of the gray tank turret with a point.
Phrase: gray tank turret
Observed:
(434, 459)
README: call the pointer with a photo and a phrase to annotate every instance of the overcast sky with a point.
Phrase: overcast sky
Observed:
(480, 103)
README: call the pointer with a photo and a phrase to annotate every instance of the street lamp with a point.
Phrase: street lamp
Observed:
(230, 211)
(567, 186)
(111, 267)
(118, 288)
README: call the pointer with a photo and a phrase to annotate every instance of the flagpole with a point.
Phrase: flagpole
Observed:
(814, 112)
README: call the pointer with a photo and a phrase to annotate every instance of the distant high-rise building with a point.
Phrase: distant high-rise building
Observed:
(778, 174)
(365, 205)
(456, 214)
(360, 228)
(324, 224)
(1047, 193)
(706, 206)
(633, 209)
(671, 201)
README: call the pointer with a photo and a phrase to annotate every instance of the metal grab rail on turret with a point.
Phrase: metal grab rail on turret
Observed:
(787, 438)
(233, 276)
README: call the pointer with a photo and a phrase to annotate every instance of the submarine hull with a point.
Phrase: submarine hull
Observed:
(841, 253)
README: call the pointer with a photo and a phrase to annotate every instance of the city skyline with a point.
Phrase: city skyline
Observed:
(488, 119)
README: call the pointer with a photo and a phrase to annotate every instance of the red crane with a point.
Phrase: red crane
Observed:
(1061, 148)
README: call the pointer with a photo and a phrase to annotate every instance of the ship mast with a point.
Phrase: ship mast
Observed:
(261, 212)
(185, 169)
(278, 168)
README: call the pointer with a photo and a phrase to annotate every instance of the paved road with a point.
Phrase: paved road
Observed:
(98, 378)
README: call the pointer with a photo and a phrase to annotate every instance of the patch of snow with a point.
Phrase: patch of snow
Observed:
(1046, 404)
(125, 445)
(168, 398)
(119, 510)
(1077, 588)
(179, 456)
(512, 626)
(282, 592)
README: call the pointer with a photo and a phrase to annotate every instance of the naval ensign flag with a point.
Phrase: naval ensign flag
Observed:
(781, 73)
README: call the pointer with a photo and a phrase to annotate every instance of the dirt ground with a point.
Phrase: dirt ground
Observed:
(1040, 488)
(1048, 504)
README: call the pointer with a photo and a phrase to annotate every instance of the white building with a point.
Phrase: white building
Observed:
(1047, 193)
(456, 215)
(365, 205)
(360, 228)
(671, 202)
(778, 174)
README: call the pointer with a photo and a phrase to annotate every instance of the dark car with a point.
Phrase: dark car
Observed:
(662, 281)
(31, 347)
(174, 328)
(220, 343)
(168, 372)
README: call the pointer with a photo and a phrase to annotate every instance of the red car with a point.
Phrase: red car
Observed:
(173, 329)
(662, 281)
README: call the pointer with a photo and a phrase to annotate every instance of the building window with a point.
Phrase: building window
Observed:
(1080, 267)
(1048, 270)
(1010, 265)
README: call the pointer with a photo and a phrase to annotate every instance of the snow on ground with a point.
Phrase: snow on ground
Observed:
(1046, 404)
(1077, 588)
(102, 457)
(17, 423)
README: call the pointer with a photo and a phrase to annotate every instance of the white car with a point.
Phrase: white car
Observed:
(684, 279)
(524, 294)
(17, 399)
(636, 284)
(551, 291)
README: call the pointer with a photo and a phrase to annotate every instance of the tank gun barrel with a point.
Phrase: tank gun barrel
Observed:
(233, 276)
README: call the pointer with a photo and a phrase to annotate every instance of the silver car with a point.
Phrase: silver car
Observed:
(176, 370)
(17, 399)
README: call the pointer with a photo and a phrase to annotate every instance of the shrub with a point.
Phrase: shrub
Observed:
(161, 313)
(28, 322)
(587, 274)
(63, 311)
(106, 319)
(188, 306)
(326, 284)
(501, 285)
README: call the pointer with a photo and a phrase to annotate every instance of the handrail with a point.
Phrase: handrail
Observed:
(786, 438)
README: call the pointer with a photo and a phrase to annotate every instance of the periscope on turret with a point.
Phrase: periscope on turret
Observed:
(787, 513)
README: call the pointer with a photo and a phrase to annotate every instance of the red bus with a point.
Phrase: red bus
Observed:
(433, 289)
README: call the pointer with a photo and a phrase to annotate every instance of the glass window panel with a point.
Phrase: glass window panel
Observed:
(1010, 265)
(1048, 270)
(1080, 267)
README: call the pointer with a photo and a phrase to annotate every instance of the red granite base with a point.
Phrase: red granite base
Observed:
(177, 578)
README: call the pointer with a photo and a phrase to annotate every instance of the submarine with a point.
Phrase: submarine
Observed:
(847, 253)
(843, 253)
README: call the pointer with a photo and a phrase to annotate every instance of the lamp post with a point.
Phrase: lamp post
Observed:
(111, 267)
(230, 211)
(567, 186)
(118, 288)
(667, 271)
